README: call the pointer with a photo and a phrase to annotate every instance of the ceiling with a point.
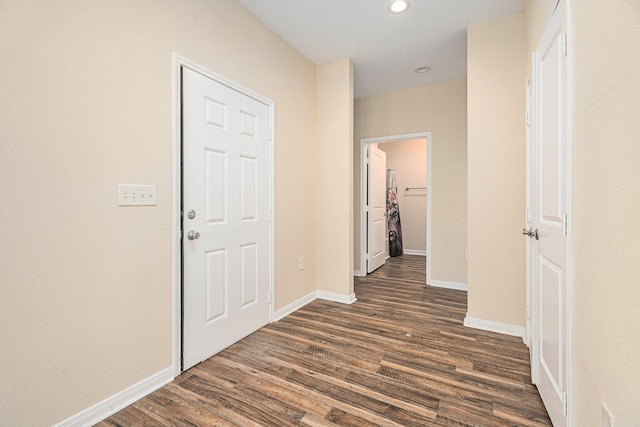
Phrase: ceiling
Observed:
(384, 48)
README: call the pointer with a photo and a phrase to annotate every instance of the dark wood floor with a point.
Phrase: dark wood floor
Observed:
(399, 356)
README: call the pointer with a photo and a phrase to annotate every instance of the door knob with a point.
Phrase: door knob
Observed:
(531, 233)
(193, 235)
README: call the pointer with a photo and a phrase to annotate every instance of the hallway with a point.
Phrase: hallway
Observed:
(398, 356)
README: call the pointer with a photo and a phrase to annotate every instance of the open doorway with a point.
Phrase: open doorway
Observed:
(415, 191)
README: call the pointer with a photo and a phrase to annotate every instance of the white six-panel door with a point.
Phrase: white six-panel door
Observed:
(377, 198)
(550, 252)
(226, 213)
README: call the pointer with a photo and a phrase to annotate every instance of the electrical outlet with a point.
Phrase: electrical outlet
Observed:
(607, 416)
(301, 263)
(466, 254)
(136, 195)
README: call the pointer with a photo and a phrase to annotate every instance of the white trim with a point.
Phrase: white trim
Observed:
(363, 188)
(429, 203)
(391, 138)
(296, 305)
(568, 330)
(178, 63)
(310, 297)
(358, 273)
(487, 325)
(529, 207)
(449, 285)
(118, 401)
(176, 247)
(342, 299)
(414, 252)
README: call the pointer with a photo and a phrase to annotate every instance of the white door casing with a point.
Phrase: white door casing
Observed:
(226, 185)
(377, 203)
(551, 204)
(528, 210)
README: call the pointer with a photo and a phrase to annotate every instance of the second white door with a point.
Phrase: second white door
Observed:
(226, 216)
(377, 203)
(550, 221)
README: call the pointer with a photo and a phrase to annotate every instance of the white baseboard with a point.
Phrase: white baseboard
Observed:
(414, 252)
(301, 302)
(118, 401)
(449, 285)
(297, 304)
(487, 325)
(358, 273)
(343, 299)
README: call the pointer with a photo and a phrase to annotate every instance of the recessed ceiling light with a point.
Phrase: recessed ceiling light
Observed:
(399, 6)
(422, 70)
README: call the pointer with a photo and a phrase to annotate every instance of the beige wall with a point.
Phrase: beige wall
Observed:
(536, 14)
(86, 104)
(440, 109)
(334, 183)
(409, 160)
(496, 200)
(606, 108)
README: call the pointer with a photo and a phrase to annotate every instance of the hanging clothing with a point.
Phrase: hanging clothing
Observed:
(393, 215)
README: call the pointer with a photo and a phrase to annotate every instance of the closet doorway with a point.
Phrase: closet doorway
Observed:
(411, 189)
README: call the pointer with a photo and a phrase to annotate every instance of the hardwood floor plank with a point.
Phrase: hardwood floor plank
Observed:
(231, 417)
(342, 418)
(399, 356)
(268, 412)
(173, 408)
(281, 389)
(468, 415)
(313, 421)
(134, 417)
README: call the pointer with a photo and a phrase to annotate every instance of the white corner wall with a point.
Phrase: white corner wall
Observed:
(334, 181)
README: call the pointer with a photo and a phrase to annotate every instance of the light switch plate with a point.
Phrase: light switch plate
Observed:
(136, 195)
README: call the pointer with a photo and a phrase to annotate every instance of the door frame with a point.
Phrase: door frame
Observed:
(529, 87)
(532, 182)
(178, 63)
(364, 142)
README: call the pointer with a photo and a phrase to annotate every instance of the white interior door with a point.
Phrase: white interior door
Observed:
(550, 252)
(377, 198)
(226, 242)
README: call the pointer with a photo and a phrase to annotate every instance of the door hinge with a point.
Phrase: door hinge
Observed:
(528, 312)
(564, 45)
(527, 119)
(269, 299)
(565, 404)
(270, 135)
(527, 215)
(565, 225)
(269, 216)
